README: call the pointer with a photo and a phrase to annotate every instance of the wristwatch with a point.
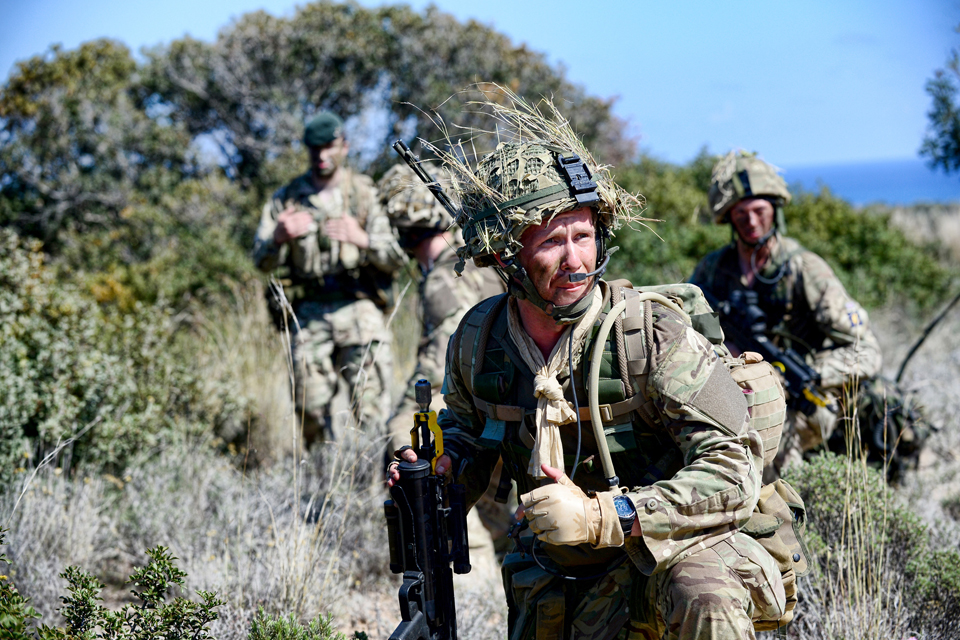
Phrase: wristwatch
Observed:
(626, 512)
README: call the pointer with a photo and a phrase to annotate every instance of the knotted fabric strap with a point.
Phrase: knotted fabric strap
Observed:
(553, 409)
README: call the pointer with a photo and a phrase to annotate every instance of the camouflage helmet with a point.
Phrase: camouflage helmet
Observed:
(408, 202)
(520, 185)
(740, 175)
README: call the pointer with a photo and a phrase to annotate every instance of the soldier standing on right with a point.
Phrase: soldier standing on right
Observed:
(807, 307)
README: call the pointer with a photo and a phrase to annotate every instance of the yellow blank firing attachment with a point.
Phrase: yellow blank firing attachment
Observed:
(430, 419)
(814, 398)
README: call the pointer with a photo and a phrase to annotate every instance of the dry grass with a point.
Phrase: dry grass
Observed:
(301, 534)
(864, 594)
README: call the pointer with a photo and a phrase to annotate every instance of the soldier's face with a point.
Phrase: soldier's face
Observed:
(552, 251)
(752, 218)
(326, 159)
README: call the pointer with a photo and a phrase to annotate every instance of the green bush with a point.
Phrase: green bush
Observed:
(69, 365)
(876, 262)
(862, 537)
(86, 619)
(15, 610)
(267, 627)
(154, 615)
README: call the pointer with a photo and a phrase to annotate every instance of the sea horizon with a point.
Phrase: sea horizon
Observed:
(901, 182)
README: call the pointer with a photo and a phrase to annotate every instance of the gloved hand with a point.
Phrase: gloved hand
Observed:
(562, 513)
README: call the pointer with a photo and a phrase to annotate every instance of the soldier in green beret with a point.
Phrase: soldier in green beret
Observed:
(329, 229)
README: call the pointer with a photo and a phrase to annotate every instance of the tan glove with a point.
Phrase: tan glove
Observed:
(562, 513)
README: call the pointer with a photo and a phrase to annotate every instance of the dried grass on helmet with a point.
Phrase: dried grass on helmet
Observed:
(517, 121)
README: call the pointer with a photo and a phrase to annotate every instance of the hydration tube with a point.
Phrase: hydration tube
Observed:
(593, 392)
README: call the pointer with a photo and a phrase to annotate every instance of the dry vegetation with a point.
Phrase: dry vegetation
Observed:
(262, 527)
(303, 534)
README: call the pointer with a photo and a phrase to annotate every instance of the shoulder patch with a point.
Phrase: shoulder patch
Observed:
(682, 361)
(722, 399)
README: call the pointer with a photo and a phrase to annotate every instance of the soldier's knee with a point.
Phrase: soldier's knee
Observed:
(717, 593)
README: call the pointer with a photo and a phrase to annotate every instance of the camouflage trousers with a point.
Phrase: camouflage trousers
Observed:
(716, 593)
(341, 341)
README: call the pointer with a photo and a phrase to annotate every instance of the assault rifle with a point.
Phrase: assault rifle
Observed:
(427, 530)
(745, 323)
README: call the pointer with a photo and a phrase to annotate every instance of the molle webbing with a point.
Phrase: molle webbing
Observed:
(488, 373)
(765, 403)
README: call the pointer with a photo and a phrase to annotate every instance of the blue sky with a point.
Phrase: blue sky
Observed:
(812, 82)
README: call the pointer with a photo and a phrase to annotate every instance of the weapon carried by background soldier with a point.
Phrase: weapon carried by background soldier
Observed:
(643, 522)
(745, 324)
(427, 530)
(807, 312)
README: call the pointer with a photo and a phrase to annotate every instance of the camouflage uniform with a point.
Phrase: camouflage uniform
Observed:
(806, 305)
(344, 289)
(443, 300)
(676, 426)
(693, 472)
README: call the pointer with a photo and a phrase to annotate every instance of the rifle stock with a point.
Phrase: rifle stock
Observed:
(427, 530)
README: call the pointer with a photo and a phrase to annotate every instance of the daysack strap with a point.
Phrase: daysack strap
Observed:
(471, 338)
(616, 295)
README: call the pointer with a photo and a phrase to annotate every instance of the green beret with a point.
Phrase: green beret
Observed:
(323, 129)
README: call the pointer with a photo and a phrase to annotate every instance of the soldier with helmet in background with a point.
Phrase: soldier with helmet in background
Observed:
(426, 232)
(328, 228)
(633, 451)
(807, 309)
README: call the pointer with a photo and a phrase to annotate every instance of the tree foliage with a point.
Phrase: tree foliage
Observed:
(252, 88)
(941, 145)
(77, 143)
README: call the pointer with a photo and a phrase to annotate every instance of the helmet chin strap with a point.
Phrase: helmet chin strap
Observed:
(759, 243)
(520, 286)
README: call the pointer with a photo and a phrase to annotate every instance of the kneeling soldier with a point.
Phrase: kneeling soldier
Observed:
(657, 551)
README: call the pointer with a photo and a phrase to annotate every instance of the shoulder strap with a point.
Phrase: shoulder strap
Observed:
(633, 341)
(473, 335)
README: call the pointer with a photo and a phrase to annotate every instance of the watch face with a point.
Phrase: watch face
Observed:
(625, 507)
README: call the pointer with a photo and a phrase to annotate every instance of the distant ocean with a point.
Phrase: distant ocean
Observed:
(893, 182)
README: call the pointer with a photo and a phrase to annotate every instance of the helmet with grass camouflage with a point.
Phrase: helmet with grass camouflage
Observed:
(409, 203)
(520, 185)
(741, 175)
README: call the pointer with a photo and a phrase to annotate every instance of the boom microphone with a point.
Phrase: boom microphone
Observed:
(599, 271)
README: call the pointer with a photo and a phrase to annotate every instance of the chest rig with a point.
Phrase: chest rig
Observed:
(502, 390)
(789, 316)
